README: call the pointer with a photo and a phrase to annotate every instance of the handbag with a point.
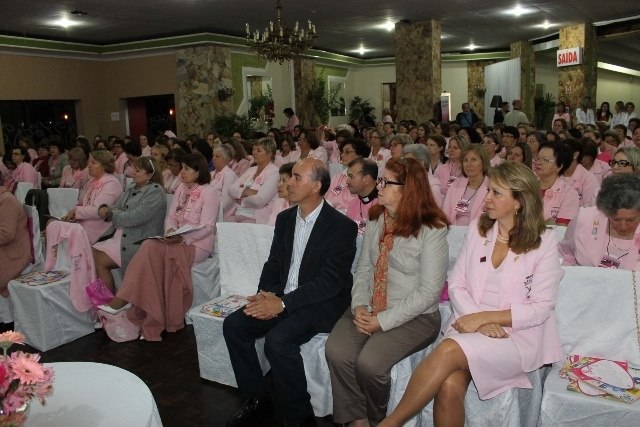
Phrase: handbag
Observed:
(98, 293)
(118, 327)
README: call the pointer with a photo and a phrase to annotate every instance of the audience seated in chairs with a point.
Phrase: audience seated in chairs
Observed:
(560, 201)
(282, 202)
(503, 289)
(158, 279)
(257, 188)
(607, 235)
(75, 174)
(395, 295)
(58, 159)
(420, 152)
(174, 162)
(222, 179)
(23, 171)
(304, 289)
(137, 215)
(103, 188)
(452, 169)
(339, 195)
(15, 243)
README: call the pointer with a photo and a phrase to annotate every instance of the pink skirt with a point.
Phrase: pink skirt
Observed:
(111, 247)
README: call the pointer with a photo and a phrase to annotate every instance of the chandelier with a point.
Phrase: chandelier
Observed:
(278, 43)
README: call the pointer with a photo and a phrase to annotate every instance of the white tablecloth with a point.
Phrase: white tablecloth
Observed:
(96, 395)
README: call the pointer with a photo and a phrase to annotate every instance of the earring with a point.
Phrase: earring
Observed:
(515, 212)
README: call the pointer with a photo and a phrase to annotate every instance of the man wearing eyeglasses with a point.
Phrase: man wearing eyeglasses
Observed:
(362, 176)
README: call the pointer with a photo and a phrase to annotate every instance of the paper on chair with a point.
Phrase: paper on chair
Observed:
(185, 229)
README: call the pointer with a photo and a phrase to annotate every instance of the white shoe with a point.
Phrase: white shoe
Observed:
(110, 310)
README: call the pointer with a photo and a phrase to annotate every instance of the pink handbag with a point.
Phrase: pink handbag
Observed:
(99, 293)
(118, 327)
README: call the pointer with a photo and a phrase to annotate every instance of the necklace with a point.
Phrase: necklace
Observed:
(619, 249)
(502, 239)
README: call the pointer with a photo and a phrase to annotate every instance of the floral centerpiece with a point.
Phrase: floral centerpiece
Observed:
(22, 377)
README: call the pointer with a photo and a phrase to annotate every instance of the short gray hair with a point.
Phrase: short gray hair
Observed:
(419, 152)
(619, 192)
(225, 150)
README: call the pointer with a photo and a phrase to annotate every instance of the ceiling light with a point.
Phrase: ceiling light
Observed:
(471, 46)
(518, 10)
(64, 22)
(546, 25)
(361, 50)
(279, 43)
(388, 25)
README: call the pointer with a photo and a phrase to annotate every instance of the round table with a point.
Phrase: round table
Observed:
(97, 395)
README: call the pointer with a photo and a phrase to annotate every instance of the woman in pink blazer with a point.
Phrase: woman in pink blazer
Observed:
(607, 235)
(257, 188)
(560, 201)
(452, 169)
(103, 188)
(23, 172)
(157, 284)
(222, 179)
(464, 201)
(503, 292)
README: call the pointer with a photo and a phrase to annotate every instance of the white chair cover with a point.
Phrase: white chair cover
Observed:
(21, 190)
(62, 200)
(596, 314)
(242, 251)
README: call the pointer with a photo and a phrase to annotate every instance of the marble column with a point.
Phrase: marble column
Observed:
(201, 72)
(524, 50)
(577, 81)
(418, 68)
(304, 74)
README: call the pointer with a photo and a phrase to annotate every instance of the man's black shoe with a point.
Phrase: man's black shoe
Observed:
(248, 412)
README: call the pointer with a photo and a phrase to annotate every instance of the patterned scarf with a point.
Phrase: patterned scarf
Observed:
(385, 244)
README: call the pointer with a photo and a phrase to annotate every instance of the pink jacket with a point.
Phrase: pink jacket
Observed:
(74, 178)
(381, 159)
(105, 191)
(221, 181)
(529, 287)
(586, 240)
(600, 170)
(586, 184)
(436, 189)
(239, 167)
(359, 212)
(338, 194)
(446, 176)
(24, 173)
(121, 161)
(80, 259)
(267, 186)
(201, 208)
(279, 205)
(560, 202)
(455, 193)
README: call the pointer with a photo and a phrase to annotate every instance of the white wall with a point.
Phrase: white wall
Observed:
(454, 81)
(367, 84)
(547, 75)
(614, 87)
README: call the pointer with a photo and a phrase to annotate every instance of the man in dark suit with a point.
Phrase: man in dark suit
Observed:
(304, 288)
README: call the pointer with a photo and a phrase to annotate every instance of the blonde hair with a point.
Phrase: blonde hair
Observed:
(528, 219)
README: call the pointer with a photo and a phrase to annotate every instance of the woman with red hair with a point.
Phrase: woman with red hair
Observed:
(395, 295)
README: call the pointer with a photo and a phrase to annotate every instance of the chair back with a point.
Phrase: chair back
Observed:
(62, 200)
(33, 225)
(22, 188)
(597, 311)
(243, 250)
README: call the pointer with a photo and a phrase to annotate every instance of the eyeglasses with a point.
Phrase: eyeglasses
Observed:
(383, 182)
(620, 163)
(542, 159)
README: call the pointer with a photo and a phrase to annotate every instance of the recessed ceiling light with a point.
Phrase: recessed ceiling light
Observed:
(388, 25)
(361, 50)
(64, 22)
(546, 25)
(471, 46)
(518, 10)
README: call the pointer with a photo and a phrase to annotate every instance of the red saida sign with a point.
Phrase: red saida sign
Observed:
(571, 56)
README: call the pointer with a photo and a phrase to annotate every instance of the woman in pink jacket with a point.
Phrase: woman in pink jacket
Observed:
(23, 172)
(607, 235)
(559, 200)
(257, 188)
(464, 201)
(157, 284)
(503, 291)
(103, 188)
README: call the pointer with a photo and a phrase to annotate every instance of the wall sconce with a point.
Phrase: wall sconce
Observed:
(225, 93)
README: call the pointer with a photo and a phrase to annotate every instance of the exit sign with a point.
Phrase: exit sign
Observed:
(572, 56)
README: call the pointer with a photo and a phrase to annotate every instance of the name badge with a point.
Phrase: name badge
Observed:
(608, 262)
(362, 224)
(462, 206)
(337, 189)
